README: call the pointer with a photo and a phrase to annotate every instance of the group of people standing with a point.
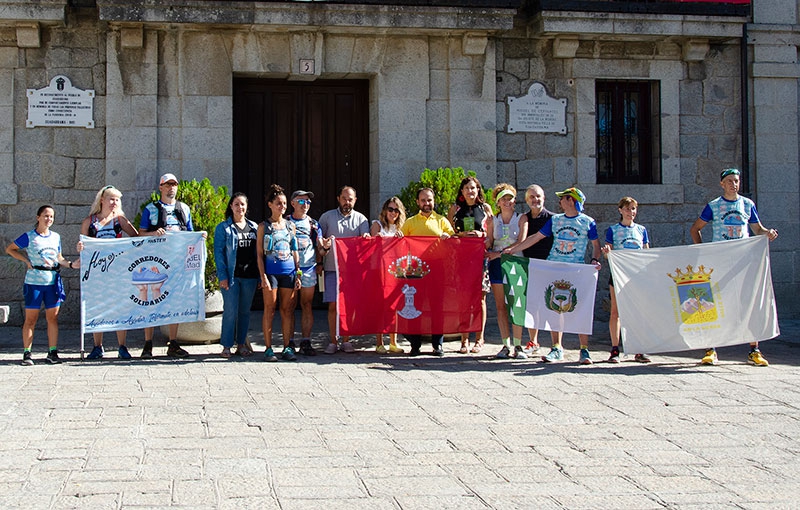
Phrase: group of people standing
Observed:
(288, 255)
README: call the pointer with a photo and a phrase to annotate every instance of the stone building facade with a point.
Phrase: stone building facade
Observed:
(438, 78)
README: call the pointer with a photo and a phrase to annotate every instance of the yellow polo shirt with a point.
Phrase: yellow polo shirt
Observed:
(434, 225)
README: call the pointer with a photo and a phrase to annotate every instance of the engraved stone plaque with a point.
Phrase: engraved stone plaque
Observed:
(537, 112)
(60, 105)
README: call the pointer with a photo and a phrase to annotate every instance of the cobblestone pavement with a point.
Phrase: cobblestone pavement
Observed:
(361, 430)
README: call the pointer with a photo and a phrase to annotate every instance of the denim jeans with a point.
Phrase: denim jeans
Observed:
(236, 303)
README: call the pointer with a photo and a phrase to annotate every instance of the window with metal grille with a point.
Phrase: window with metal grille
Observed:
(628, 132)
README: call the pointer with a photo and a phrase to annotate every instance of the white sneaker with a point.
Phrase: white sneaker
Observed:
(503, 354)
(331, 348)
(348, 347)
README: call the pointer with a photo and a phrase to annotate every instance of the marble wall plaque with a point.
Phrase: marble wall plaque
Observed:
(60, 105)
(536, 112)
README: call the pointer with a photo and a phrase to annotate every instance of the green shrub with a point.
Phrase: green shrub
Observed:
(208, 206)
(445, 183)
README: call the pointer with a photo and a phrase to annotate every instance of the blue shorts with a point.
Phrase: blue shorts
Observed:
(309, 278)
(329, 296)
(495, 272)
(36, 294)
(281, 281)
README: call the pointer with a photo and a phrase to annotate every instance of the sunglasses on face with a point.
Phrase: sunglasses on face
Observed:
(303, 201)
(393, 209)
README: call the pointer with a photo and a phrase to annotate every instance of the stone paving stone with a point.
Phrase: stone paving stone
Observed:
(195, 493)
(381, 503)
(603, 501)
(466, 502)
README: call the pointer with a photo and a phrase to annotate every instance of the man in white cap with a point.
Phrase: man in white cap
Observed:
(158, 218)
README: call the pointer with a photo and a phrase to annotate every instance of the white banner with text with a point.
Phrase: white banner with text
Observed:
(139, 282)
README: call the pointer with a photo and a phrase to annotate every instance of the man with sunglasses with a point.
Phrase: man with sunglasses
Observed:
(307, 232)
(158, 218)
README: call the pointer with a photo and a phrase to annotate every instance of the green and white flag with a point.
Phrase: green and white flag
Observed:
(554, 296)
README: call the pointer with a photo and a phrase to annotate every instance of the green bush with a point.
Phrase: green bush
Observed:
(445, 183)
(208, 206)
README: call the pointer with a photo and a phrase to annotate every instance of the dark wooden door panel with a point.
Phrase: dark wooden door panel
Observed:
(310, 136)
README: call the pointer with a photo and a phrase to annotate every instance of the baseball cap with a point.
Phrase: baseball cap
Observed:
(575, 193)
(300, 193)
(167, 178)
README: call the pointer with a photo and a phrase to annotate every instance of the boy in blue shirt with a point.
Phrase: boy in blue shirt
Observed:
(572, 231)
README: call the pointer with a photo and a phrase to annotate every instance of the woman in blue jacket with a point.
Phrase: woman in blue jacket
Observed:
(237, 271)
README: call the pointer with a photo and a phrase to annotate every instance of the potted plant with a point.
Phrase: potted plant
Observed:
(207, 205)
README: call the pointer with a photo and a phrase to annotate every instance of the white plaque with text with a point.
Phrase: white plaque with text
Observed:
(60, 105)
(537, 112)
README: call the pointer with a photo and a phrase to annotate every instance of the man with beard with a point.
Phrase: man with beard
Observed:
(340, 222)
(427, 222)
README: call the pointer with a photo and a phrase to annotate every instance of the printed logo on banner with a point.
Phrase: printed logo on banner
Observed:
(409, 267)
(695, 303)
(148, 275)
(561, 296)
(194, 261)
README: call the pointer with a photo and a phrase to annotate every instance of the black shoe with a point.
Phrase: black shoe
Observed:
(147, 350)
(306, 349)
(52, 357)
(414, 351)
(174, 350)
(438, 352)
(27, 359)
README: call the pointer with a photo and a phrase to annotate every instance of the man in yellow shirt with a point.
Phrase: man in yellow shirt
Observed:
(427, 223)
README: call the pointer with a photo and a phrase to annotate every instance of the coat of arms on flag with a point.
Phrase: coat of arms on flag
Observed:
(695, 297)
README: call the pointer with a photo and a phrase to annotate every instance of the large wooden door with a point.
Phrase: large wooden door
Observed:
(301, 135)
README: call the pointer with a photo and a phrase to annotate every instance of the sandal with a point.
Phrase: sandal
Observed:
(226, 352)
(464, 349)
(243, 350)
(476, 348)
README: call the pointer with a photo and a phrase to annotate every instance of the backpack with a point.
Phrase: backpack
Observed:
(181, 213)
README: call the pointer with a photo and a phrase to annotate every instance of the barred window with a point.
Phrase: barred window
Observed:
(628, 132)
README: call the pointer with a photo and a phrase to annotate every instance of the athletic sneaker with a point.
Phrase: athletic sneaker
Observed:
(331, 348)
(642, 358)
(348, 347)
(381, 349)
(52, 357)
(174, 350)
(97, 353)
(269, 355)
(503, 354)
(147, 350)
(27, 359)
(288, 354)
(555, 354)
(519, 353)
(614, 356)
(710, 358)
(145, 275)
(755, 358)
(122, 352)
(306, 348)
(396, 350)
(584, 358)
(531, 348)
